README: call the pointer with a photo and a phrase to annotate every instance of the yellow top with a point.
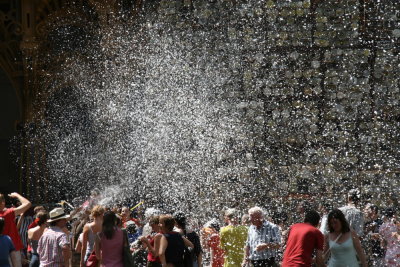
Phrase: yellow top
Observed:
(233, 240)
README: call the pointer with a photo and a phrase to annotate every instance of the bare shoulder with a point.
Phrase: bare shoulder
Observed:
(158, 236)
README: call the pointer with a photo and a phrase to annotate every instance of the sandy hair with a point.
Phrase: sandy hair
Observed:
(97, 211)
(168, 221)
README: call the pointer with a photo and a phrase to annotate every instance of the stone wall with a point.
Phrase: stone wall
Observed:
(317, 84)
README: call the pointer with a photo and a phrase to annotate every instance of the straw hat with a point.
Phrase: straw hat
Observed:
(57, 214)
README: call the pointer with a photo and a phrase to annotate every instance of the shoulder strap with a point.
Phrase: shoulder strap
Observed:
(125, 238)
(337, 238)
(329, 249)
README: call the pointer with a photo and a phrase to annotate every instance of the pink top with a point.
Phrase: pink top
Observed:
(392, 256)
(111, 249)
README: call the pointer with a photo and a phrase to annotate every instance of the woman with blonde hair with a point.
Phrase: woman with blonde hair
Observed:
(89, 233)
(152, 242)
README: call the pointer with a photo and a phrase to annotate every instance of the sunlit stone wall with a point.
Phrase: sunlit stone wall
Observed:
(319, 83)
(307, 94)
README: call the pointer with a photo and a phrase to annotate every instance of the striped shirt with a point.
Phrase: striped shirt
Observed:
(50, 247)
(23, 230)
(267, 233)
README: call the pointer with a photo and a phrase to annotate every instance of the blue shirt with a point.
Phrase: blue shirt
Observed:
(266, 234)
(6, 247)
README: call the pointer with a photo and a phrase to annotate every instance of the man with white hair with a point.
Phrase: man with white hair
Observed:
(263, 240)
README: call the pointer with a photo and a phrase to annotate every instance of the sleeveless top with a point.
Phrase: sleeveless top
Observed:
(34, 245)
(90, 243)
(150, 256)
(112, 249)
(343, 255)
(175, 249)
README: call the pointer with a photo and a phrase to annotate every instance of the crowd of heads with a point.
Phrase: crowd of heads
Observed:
(135, 220)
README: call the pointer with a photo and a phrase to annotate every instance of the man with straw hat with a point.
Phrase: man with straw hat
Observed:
(54, 248)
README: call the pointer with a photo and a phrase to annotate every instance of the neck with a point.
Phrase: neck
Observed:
(258, 225)
(233, 223)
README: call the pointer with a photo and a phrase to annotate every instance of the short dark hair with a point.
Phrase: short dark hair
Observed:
(312, 217)
(109, 222)
(338, 214)
(38, 209)
(180, 219)
(168, 222)
(374, 208)
(154, 220)
(2, 198)
(1, 225)
(389, 212)
(354, 195)
(42, 216)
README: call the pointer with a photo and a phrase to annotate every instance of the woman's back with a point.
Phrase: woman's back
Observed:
(111, 249)
(343, 254)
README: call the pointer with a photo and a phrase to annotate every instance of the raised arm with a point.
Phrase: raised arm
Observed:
(25, 204)
(153, 250)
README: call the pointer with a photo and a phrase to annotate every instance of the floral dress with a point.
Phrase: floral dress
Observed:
(392, 256)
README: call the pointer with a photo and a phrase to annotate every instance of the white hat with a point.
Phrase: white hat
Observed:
(57, 214)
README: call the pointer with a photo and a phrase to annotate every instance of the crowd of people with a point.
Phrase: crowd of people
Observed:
(114, 236)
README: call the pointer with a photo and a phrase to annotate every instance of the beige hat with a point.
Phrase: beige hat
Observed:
(57, 214)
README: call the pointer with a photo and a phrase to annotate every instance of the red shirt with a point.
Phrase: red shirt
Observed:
(10, 228)
(303, 239)
(150, 256)
(33, 224)
(218, 253)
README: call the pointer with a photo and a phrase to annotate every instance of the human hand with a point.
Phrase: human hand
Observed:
(375, 236)
(143, 239)
(261, 247)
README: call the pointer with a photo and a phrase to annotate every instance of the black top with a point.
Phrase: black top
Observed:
(194, 238)
(375, 245)
(175, 249)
